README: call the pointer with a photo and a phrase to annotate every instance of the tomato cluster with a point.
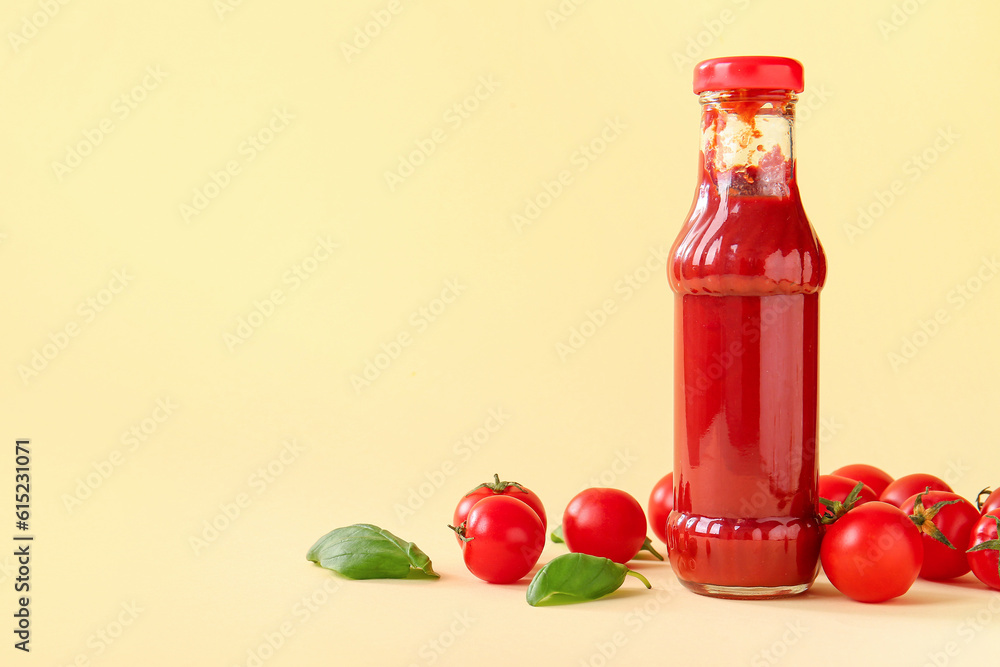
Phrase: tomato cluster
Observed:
(881, 533)
(501, 527)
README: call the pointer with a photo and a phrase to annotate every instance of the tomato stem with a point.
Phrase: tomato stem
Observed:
(922, 518)
(496, 486)
(836, 509)
(648, 546)
(460, 531)
(980, 500)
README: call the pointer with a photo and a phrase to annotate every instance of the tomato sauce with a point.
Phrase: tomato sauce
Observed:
(746, 270)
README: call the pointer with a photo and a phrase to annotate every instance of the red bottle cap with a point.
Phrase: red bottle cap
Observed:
(762, 72)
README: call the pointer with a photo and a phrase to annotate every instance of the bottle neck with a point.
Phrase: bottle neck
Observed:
(747, 142)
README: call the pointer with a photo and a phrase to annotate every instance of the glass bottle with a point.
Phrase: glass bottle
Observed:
(746, 270)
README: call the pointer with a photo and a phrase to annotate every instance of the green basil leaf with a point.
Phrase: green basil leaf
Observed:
(557, 536)
(364, 551)
(579, 576)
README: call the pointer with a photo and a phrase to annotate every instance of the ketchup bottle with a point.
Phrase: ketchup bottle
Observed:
(746, 270)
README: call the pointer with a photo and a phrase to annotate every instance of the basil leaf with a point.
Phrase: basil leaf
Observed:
(557, 536)
(579, 576)
(364, 551)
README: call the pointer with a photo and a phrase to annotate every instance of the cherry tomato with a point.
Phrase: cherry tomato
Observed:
(872, 553)
(502, 539)
(661, 503)
(496, 487)
(837, 488)
(909, 485)
(985, 560)
(954, 520)
(992, 503)
(605, 522)
(874, 478)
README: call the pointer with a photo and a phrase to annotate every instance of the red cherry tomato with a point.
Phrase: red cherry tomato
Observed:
(605, 522)
(872, 553)
(661, 503)
(874, 478)
(985, 560)
(498, 488)
(955, 521)
(837, 488)
(910, 485)
(992, 503)
(503, 539)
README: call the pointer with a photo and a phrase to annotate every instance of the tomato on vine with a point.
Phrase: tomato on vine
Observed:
(872, 553)
(661, 503)
(984, 550)
(834, 488)
(501, 538)
(874, 478)
(945, 521)
(909, 485)
(608, 523)
(991, 505)
(498, 488)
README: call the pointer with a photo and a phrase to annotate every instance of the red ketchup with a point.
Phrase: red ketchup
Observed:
(746, 270)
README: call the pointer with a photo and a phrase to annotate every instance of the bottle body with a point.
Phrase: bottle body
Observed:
(746, 270)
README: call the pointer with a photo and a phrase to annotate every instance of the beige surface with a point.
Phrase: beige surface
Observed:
(219, 267)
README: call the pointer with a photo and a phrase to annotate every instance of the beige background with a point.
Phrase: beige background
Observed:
(153, 411)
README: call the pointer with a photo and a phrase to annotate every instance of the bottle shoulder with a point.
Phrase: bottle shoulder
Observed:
(747, 245)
